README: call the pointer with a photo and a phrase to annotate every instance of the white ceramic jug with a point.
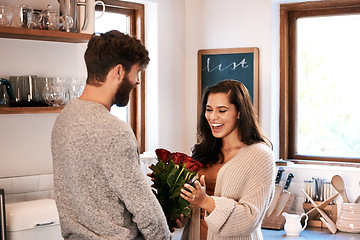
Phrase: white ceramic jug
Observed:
(293, 225)
(87, 15)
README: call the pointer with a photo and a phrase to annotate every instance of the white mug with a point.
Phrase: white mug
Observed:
(87, 15)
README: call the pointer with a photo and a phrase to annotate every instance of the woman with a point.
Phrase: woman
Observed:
(239, 168)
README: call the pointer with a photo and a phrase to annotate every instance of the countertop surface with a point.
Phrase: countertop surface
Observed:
(312, 233)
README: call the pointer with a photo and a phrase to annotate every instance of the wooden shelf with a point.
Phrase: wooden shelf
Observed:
(21, 110)
(43, 35)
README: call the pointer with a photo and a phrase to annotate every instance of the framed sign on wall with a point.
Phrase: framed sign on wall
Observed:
(241, 64)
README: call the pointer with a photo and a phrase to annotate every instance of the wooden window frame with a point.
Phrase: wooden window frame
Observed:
(137, 97)
(288, 15)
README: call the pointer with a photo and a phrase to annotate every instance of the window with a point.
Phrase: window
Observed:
(129, 18)
(319, 81)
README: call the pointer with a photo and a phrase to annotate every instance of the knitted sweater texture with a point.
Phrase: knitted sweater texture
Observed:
(100, 190)
(243, 192)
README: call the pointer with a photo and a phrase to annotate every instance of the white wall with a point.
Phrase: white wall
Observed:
(228, 24)
(170, 94)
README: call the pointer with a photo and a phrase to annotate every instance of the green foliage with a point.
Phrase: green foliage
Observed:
(169, 179)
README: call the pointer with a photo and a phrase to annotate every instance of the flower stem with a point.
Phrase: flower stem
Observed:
(187, 175)
(179, 175)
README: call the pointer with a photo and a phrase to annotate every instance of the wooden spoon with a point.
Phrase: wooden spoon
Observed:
(338, 184)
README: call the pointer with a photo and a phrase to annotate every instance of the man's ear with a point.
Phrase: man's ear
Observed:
(120, 71)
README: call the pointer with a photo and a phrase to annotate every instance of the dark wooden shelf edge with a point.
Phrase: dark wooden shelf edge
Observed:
(43, 35)
(22, 110)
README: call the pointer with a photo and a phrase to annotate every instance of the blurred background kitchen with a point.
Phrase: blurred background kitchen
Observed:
(174, 31)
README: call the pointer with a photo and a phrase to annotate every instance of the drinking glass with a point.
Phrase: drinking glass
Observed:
(6, 15)
(54, 91)
(23, 16)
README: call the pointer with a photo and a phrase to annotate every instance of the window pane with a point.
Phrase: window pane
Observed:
(328, 83)
(114, 21)
(111, 21)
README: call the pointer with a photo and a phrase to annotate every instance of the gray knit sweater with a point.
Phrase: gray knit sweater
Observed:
(100, 190)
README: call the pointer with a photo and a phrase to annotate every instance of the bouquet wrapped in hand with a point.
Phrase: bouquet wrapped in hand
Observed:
(170, 174)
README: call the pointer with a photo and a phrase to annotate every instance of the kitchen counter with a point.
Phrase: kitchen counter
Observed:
(312, 233)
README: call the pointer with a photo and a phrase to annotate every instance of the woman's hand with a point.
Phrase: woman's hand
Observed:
(197, 195)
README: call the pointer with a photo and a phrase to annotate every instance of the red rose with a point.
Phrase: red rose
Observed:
(192, 164)
(179, 158)
(163, 154)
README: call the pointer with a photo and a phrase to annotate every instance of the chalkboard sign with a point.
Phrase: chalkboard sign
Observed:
(241, 64)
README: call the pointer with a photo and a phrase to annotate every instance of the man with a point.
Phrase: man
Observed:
(100, 190)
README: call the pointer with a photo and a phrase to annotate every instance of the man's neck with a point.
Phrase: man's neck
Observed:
(96, 94)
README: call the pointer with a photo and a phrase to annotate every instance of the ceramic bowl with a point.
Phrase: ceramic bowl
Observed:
(6, 15)
(349, 218)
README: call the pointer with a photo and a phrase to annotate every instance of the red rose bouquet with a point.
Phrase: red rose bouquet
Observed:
(170, 174)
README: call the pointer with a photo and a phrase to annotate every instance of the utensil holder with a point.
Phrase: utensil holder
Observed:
(314, 221)
(349, 218)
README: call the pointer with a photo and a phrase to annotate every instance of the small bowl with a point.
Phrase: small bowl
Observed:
(349, 218)
(6, 15)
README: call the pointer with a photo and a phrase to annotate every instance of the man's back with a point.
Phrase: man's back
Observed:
(99, 187)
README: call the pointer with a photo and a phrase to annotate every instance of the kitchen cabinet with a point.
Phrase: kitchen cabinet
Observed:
(40, 35)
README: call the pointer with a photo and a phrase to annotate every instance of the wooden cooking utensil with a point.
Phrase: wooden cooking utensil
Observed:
(324, 218)
(322, 205)
(338, 184)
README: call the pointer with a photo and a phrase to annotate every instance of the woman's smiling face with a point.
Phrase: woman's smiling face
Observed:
(221, 115)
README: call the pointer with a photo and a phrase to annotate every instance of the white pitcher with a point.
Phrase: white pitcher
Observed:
(87, 15)
(293, 223)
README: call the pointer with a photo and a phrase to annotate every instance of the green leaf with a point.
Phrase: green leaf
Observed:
(182, 203)
(177, 190)
(172, 165)
(163, 179)
(156, 170)
(174, 210)
(174, 216)
(172, 176)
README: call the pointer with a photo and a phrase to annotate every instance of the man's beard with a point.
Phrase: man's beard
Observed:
(123, 92)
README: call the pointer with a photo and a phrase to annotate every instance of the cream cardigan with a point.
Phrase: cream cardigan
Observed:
(243, 192)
